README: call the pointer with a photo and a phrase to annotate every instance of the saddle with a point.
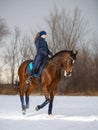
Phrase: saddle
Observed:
(39, 68)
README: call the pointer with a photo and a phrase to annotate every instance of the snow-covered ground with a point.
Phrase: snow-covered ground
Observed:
(70, 113)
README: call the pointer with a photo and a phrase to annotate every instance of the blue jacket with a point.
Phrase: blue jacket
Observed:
(42, 47)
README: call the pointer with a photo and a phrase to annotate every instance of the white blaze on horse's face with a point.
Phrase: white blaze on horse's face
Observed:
(73, 61)
(65, 73)
(68, 67)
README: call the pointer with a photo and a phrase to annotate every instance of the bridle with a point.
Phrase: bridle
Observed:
(65, 62)
(68, 59)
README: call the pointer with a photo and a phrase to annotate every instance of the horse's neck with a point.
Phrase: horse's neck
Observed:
(57, 60)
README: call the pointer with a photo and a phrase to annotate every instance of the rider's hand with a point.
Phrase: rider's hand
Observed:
(49, 56)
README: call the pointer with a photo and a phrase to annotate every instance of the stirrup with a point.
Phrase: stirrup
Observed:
(29, 79)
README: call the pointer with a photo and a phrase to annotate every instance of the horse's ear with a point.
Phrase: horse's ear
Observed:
(75, 52)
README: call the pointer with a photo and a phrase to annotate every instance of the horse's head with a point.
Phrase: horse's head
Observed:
(69, 59)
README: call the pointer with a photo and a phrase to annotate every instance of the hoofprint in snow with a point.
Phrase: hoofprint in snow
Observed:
(66, 109)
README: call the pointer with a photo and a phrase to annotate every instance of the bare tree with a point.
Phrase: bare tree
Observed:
(10, 54)
(95, 62)
(19, 50)
(65, 30)
(4, 31)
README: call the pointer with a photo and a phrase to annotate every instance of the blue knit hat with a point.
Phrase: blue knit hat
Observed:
(42, 33)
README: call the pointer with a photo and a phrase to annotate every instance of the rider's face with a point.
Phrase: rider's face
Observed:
(44, 36)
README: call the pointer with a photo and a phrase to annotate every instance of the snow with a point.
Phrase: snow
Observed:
(70, 113)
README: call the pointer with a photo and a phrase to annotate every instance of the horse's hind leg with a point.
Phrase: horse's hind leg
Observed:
(27, 93)
(22, 97)
(27, 100)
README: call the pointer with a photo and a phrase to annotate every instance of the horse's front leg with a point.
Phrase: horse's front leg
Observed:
(42, 105)
(53, 87)
(47, 99)
(51, 103)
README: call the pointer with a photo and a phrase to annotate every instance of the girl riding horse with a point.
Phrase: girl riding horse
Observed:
(42, 51)
(50, 78)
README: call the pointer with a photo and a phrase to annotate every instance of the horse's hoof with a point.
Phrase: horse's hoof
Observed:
(51, 115)
(27, 106)
(23, 109)
(37, 108)
(23, 112)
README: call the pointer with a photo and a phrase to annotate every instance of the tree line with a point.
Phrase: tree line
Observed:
(65, 30)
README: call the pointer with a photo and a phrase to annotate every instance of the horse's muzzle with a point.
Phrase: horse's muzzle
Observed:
(67, 74)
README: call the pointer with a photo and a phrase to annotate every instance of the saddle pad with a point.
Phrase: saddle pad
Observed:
(30, 68)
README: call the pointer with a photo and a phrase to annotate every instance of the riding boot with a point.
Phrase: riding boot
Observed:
(29, 79)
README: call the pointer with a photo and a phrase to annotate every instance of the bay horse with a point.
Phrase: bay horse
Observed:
(50, 78)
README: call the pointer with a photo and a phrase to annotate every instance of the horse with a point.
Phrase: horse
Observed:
(50, 78)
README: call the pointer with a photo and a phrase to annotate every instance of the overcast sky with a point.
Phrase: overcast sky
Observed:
(29, 14)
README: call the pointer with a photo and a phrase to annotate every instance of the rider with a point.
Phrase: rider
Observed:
(42, 51)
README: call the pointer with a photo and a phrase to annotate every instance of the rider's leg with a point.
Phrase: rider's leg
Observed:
(36, 62)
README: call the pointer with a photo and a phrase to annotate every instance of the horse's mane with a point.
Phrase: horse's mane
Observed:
(60, 52)
(71, 52)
